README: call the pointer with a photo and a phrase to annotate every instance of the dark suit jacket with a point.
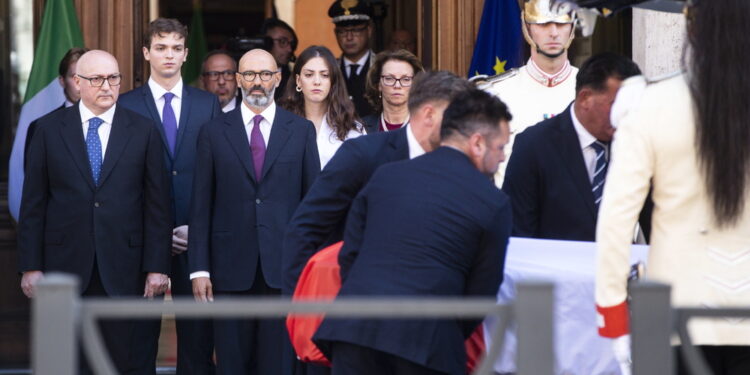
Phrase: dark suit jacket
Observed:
(432, 226)
(320, 218)
(372, 123)
(236, 220)
(548, 184)
(30, 133)
(198, 107)
(125, 221)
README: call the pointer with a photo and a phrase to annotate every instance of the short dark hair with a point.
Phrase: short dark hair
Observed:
(161, 26)
(473, 112)
(597, 69)
(214, 53)
(372, 93)
(435, 86)
(273, 23)
(70, 57)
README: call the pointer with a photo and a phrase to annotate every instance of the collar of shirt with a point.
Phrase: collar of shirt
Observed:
(265, 126)
(230, 106)
(68, 103)
(549, 80)
(415, 149)
(158, 92)
(362, 60)
(584, 137)
(87, 115)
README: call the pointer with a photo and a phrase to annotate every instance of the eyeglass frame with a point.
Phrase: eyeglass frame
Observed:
(384, 77)
(259, 74)
(353, 30)
(107, 79)
(213, 75)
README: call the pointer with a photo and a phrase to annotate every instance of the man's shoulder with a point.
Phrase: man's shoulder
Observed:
(135, 118)
(132, 94)
(198, 94)
(497, 82)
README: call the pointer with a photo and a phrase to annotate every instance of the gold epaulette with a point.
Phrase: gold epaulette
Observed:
(484, 82)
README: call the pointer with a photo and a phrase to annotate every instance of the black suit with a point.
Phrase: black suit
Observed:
(120, 229)
(30, 133)
(319, 220)
(238, 221)
(194, 337)
(433, 226)
(548, 184)
(356, 86)
(372, 123)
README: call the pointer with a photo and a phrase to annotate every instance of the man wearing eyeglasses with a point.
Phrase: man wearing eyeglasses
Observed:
(254, 165)
(178, 111)
(218, 76)
(284, 43)
(353, 32)
(96, 201)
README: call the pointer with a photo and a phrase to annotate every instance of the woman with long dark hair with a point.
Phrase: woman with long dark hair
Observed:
(688, 138)
(317, 92)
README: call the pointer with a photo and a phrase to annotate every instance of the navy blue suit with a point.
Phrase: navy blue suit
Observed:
(432, 226)
(109, 235)
(238, 221)
(194, 337)
(320, 218)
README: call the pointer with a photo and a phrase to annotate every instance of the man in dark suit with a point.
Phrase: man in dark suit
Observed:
(219, 77)
(178, 111)
(319, 220)
(432, 226)
(254, 165)
(96, 200)
(556, 173)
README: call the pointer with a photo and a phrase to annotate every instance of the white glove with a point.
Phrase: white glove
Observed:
(621, 349)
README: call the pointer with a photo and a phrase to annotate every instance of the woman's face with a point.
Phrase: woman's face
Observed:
(315, 80)
(394, 92)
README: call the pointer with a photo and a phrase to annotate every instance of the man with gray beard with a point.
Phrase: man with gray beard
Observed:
(254, 165)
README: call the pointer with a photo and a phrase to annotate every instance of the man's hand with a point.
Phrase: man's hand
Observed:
(28, 282)
(156, 284)
(179, 239)
(202, 289)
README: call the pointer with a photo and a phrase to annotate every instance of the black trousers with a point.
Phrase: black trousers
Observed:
(722, 360)
(351, 359)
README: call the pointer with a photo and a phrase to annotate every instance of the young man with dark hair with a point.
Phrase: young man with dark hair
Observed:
(555, 175)
(434, 226)
(284, 43)
(178, 111)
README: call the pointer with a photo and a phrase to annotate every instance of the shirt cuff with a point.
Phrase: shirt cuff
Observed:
(613, 321)
(198, 274)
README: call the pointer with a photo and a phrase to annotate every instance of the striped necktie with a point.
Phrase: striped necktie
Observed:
(600, 171)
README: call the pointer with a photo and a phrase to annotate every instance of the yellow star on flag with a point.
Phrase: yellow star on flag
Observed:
(499, 65)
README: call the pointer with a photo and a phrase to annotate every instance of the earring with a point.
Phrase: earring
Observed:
(380, 95)
(299, 89)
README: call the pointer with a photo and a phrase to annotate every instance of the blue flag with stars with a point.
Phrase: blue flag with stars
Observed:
(498, 46)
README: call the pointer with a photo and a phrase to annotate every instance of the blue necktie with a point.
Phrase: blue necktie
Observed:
(169, 121)
(600, 171)
(94, 148)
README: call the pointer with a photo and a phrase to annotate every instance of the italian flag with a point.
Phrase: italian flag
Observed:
(60, 32)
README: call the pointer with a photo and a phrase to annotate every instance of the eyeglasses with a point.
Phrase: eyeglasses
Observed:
(405, 81)
(354, 31)
(282, 42)
(265, 75)
(98, 81)
(214, 75)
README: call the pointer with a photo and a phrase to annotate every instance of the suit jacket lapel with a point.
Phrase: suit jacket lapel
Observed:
(148, 99)
(570, 152)
(72, 135)
(400, 144)
(237, 137)
(119, 137)
(184, 119)
(279, 135)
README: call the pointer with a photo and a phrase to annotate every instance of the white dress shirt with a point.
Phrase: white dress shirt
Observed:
(104, 129)
(329, 143)
(362, 60)
(586, 139)
(230, 106)
(158, 93)
(415, 149)
(265, 130)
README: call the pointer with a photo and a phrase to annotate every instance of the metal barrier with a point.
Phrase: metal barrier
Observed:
(58, 312)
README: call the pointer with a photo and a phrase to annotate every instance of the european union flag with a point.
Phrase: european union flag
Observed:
(498, 46)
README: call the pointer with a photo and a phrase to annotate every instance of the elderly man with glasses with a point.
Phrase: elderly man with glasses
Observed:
(254, 166)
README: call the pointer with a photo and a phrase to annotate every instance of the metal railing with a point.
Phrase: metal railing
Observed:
(59, 314)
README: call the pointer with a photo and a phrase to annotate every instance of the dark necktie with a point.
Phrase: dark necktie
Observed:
(169, 121)
(353, 71)
(257, 146)
(94, 148)
(600, 171)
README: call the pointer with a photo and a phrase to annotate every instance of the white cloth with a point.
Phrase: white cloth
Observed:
(361, 62)
(158, 93)
(570, 265)
(230, 106)
(415, 149)
(531, 101)
(329, 143)
(104, 129)
(265, 130)
(585, 139)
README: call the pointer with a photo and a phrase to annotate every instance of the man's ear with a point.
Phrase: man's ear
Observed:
(583, 97)
(146, 54)
(186, 54)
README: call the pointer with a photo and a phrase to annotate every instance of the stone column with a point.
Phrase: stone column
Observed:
(658, 41)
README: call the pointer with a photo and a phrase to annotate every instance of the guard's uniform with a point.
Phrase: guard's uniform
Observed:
(531, 96)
